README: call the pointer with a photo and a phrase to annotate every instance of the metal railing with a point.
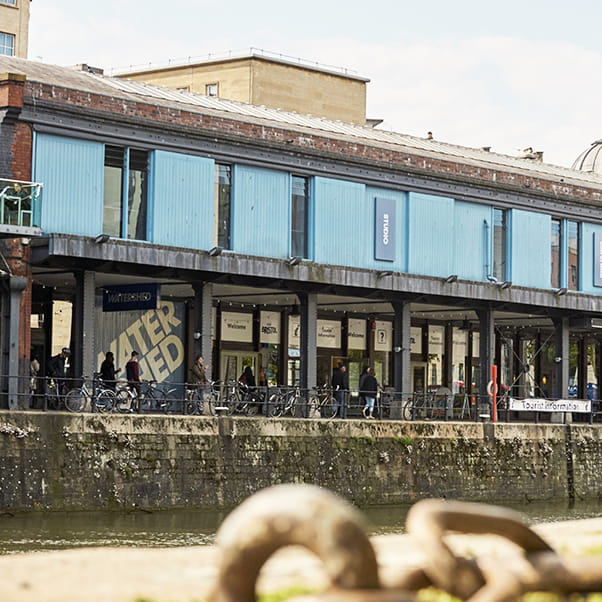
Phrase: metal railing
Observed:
(90, 394)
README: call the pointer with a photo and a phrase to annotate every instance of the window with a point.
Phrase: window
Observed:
(125, 196)
(211, 89)
(499, 244)
(7, 44)
(572, 229)
(555, 253)
(12, 2)
(223, 199)
(299, 216)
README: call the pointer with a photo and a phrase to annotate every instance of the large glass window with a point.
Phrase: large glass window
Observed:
(555, 253)
(299, 216)
(499, 244)
(7, 44)
(13, 2)
(130, 194)
(573, 255)
(223, 199)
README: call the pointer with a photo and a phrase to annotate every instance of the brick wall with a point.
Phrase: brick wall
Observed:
(61, 461)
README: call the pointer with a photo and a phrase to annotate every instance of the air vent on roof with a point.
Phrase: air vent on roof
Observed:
(89, 69)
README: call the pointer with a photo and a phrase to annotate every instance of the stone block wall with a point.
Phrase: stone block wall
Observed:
(82, 461)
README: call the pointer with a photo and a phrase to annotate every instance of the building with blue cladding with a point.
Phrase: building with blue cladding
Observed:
(287, 243)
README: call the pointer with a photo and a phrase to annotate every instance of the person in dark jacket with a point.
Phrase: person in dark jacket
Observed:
(370, 388)
(132, 372)
(247, 378)
(340, 385)
(108, 372)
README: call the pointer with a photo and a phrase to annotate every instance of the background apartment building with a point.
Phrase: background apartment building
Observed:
(14, 27)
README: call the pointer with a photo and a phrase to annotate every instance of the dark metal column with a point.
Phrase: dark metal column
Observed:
(486, 351)
(308, 310)
(203, 304)
(561, 358)
(83, 358)
(401, 355)
(17, 387)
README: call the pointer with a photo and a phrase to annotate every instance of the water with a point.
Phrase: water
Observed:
(28, 532)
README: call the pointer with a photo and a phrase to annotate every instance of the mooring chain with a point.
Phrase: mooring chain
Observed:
(332, 529)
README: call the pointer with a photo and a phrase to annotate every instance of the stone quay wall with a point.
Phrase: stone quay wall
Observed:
(60, 461)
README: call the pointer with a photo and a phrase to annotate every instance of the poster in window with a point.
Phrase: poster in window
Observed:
(237, 327)
(269, 327)
(329, 334)
(356, 334)
(383, 336)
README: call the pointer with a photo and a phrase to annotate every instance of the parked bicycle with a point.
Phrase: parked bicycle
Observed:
(322, 403)
(202, 400)
(98, 398)
(150, 397)
(239, 398)
(285, 401)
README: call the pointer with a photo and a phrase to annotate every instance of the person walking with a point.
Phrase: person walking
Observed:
(132, 373)
(340, 385)
(199, 378)
(108, 372)
(370, 388)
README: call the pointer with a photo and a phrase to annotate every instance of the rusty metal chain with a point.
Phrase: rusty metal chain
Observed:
(333, 530)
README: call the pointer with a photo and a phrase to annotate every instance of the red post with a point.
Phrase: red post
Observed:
(494, 393)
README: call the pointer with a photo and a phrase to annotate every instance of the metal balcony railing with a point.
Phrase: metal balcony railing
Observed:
(20, 203)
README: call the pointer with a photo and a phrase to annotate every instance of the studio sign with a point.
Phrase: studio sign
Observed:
(129, 297)
(384, 229)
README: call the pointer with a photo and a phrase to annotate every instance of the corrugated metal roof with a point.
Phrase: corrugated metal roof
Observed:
(140, 91)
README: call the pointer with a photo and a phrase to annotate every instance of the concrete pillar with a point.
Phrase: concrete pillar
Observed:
(203, 304)
(18, 385)
(308, 310)
(83, 357)
(486, 352)
(401, 356)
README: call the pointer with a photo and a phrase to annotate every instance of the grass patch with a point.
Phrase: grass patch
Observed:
(405, 440)
(285, 594)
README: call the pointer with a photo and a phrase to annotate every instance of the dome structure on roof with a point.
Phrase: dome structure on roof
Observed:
(590, 159)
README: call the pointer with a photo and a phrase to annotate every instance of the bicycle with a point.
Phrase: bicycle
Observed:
(201, 397)
(419, 407)
(285, 401)
(241, 399)
(322, 403)
(129, 399)
(99, 398)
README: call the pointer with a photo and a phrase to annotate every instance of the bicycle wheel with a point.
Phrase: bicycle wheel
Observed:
(105, 401)
(406, 410)
(313, 407)
(124, 401)
(275, 405)
(252, 404)
(299, 407)
(210, 402)
(328, 408)
(75, 400)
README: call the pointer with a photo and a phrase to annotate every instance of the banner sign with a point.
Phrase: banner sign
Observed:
(294, 332)
(549, 405)
(329, 334)
(131, 296)
(356, 334)
(269, 327)
(597, 259)
(237, 327)
(384, 229)
(383, 335)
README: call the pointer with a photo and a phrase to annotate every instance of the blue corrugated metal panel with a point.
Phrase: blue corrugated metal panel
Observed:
(182, 209)
(470, 247)
(261, 212)
(530, 243)
(430, 235)
(344, 223)
(589, 259)
(72, 174)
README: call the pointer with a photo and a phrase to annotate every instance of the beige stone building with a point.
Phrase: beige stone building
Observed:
(259, 79)
(14, 27)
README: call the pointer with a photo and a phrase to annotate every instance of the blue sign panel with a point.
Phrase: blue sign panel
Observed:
(132, 296)
(384, 229)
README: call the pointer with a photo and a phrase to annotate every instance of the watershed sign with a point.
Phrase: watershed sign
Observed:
(548, 405)
(132, 296)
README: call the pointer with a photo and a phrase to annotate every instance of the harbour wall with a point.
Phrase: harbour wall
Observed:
(60, 461)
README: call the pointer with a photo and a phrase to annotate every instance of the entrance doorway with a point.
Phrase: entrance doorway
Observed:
(232, 364)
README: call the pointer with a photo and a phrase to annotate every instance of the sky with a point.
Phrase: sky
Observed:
(507, 74)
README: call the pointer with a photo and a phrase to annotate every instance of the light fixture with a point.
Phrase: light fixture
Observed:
(492, 279)
(451, 278)
(101, 239)
(384, 273)
(295, 260)
(196, 335)
(215, 251)
(561, 291)
(504, 285)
